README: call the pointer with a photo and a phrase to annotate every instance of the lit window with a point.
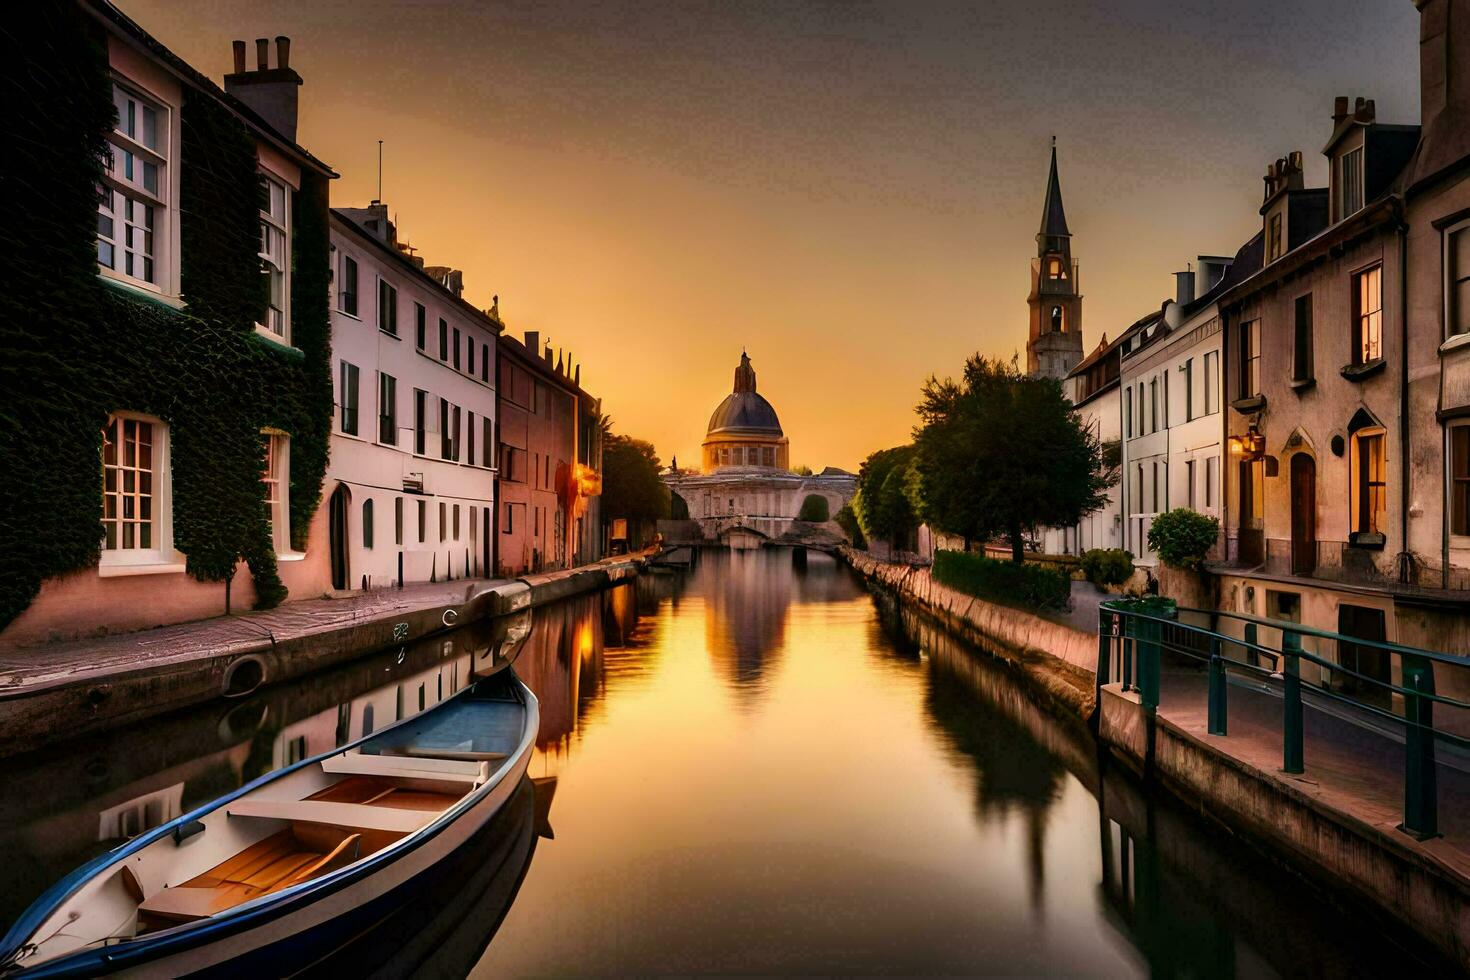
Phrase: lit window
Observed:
(1055, 269)
(1368, 315)
(1369, 485)
(133, 199)
(128, 485)
(275, 256)
(1460, 480)
(1352, 182)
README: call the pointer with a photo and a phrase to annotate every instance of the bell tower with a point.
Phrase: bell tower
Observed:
(1054, 346)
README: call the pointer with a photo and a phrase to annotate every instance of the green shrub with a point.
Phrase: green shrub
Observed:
(1033, 586)
(1107, 566)
(814, 509)
(848, 521)
(1182, 537)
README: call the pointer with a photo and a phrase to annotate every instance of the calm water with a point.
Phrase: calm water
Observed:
(754, 767)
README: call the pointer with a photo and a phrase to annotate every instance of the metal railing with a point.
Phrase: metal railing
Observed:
(1133, 635)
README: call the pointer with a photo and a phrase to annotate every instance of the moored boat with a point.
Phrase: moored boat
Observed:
(297, 856)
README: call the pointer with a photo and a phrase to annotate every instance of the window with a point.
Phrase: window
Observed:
(469, 353)
(1250, 359)
(1058, 320)
(1460, 480)
(768, 456)
(131, 209)
(133, 467)
(1369, 486)
(348, 302)
(446, 446)
(420, 411)
(423, 520)
(275, 477)
(456, 348)
(1055, 269)
(1128, 411)
(367, 523)
(1368, 315)
(387, 409)
(348, 398)
(275, 255)
(1165, 375)
(470, 431)
(1212, 463)
(455, 442)
(443, 339)
(510, 521)
(1188, 369)
(1302, 343)
(443, 520)
(387, 307)
(1154, 476)
(1189, 479)
(1273, 238)
(1352, 182)
(485, 363)
(1457, 280)
(487, 439)
(1153, 404)
(419, 329)
(1212, 372)
(398, 520)
(456, 522)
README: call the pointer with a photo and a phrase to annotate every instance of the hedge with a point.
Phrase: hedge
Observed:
(1033, 586)
(1107, 566)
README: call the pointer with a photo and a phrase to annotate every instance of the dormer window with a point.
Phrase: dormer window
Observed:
(1273, 237)
(1350, 182)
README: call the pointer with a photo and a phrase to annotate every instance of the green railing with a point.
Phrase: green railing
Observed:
(1134, 634)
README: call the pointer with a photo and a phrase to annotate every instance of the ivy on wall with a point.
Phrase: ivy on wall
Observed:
(78, 347)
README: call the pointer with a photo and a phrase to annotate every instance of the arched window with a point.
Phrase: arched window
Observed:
(367, 523)
(1055, 269)
(1368, 488)
(1058, 321)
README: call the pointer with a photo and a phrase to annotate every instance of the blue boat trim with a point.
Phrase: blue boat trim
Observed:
(106, 959)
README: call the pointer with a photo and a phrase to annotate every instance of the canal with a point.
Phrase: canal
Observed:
(755, 767)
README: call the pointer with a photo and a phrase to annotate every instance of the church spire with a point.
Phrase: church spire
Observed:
(1053, 218)
(744, 374)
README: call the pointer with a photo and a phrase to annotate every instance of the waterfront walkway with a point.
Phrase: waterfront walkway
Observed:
(72, 660)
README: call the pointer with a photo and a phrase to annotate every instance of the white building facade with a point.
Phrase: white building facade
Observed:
(410, 489)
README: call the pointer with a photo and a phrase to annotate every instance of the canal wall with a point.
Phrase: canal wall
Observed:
(1420, 889)
(64, 690)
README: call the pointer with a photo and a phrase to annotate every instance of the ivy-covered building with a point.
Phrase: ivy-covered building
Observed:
(167, 378)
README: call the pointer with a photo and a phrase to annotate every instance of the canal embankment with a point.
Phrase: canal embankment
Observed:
(65, 689)
(1337, 823)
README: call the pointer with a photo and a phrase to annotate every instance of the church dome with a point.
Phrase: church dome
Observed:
(743, 410)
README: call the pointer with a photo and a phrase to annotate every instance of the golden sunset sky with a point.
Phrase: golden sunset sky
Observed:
(848, 190)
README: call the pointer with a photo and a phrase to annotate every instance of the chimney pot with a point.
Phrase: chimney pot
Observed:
(1370, 111)
(1339, 108)
(262, 53)
(1358, 105)
(533, 342)
(283, 51)
(239, 47)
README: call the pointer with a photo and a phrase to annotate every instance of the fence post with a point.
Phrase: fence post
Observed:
(1217, 689)
(1148, 662)
(1421, 785)
(1291, 722)
(1130, 632)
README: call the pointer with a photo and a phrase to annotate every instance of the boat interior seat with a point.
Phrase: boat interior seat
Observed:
(357, 763)
(281, 860)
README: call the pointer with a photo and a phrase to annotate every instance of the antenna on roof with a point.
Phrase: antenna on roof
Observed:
(379, 198)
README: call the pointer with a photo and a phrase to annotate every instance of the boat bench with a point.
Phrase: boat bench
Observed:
(357, 764)
(354, 816)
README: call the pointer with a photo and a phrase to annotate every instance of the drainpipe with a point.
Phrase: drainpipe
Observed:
(1225, 434)
(1405, 560)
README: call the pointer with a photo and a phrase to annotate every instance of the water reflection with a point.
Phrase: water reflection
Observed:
(757, 767)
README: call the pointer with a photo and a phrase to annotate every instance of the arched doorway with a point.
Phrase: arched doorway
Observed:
(1303, 514)
(337, 538)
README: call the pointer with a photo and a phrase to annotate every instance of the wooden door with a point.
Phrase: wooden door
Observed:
(337, 536)
(1303, 514)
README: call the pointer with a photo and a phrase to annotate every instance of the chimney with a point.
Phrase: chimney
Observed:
(533, 342)
(1435, 42)
(1184, 287)
(271, 92)
(1339, 109)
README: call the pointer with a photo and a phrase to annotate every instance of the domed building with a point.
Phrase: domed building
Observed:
(744, 431)
(744, 491)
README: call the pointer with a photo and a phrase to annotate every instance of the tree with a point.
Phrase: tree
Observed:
(802, 470)
(846, 519)
(1182, 537)
(998, 453)
(882, 502)
(631, 487)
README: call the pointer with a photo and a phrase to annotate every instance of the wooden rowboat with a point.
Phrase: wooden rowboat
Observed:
(256, 881)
